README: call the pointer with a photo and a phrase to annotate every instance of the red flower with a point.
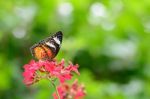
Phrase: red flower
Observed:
(74, 91)
(29, 73)
(34, 71)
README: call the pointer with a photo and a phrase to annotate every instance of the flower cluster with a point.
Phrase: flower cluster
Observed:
(34, 71)
(74, 91)
(51, 70)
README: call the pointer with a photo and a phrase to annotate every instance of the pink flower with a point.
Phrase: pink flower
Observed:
(29, 73)
(34, 71)
(74, 91)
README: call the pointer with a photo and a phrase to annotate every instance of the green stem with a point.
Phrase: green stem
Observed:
(55, 89)
(53, 84)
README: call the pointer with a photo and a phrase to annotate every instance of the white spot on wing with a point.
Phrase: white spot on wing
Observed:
(57, 40)
(50, 44)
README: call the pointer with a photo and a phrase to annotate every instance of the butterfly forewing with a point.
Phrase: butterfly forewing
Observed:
(48, 48)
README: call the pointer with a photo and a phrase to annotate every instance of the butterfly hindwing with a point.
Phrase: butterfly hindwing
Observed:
(47, 48)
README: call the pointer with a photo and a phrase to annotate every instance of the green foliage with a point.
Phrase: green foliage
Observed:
(109, 39)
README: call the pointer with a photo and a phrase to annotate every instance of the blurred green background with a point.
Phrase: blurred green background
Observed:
(109, 39)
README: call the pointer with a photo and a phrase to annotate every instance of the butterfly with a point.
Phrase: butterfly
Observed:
(48, 48)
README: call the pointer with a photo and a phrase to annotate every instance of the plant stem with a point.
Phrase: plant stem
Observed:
(53, 84)
(55, 89)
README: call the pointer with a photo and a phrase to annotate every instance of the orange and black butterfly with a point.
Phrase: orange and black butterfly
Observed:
(48, 48)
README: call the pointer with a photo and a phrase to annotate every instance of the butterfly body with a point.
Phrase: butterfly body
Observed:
(48, 48)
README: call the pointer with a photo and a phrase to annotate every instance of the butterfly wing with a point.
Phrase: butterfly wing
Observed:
(47, 48)
(54, 43)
